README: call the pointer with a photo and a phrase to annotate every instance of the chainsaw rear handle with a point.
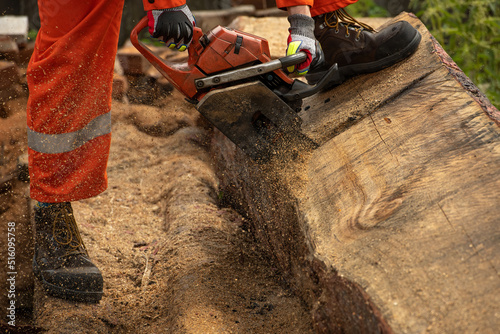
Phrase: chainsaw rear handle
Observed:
(176, 73)
(143, 23)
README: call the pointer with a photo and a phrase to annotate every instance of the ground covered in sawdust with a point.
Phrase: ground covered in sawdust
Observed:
(174, 259)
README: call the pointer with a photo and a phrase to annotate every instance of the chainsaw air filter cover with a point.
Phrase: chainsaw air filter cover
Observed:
(226, 49)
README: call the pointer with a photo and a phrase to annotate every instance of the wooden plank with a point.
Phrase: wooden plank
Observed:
(391, 225)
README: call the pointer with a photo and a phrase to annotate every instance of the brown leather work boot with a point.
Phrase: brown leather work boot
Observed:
(61, 261)
(357, 48)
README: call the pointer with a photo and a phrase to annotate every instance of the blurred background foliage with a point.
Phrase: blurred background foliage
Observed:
(469, 31)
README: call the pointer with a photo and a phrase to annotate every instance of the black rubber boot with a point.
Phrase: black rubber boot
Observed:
(357, 48)
(61, 261)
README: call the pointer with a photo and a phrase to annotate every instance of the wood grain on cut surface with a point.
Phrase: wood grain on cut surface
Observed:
(406, 201)
(329, 113)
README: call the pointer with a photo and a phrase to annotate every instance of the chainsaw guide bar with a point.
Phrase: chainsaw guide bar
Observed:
(255, 119)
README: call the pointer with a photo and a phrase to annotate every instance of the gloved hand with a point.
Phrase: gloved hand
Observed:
(174, 26)
(301, 38)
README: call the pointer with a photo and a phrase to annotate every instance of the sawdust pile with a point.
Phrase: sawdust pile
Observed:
(173, 259)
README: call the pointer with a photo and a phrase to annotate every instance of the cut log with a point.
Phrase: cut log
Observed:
(392, 224)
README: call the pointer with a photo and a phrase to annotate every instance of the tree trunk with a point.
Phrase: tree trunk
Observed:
(391, 225)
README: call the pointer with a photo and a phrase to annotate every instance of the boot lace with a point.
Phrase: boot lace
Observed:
(66, 233)
(341, 17)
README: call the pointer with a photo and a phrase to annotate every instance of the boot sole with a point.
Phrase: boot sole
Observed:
(63, 293)
(350, 71)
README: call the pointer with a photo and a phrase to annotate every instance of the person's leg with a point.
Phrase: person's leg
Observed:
(327, 6)
(70, 80)
(355, 47)
(69, 133)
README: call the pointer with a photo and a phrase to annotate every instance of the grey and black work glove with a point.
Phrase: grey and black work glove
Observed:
(174, 26)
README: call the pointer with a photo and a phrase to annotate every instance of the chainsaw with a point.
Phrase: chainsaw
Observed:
(235, 84)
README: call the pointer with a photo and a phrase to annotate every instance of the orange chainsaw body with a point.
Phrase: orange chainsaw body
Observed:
(219, 50)
(233, 81)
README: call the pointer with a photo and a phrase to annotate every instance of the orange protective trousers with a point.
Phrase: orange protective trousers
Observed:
(318, 7)
(70, 83)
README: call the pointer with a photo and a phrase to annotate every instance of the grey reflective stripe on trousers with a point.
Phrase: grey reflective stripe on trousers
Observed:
(66, 142)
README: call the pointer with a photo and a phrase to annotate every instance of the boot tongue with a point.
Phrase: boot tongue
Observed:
(65, 232)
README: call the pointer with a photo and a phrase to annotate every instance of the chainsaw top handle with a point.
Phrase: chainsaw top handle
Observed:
(180, 75)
